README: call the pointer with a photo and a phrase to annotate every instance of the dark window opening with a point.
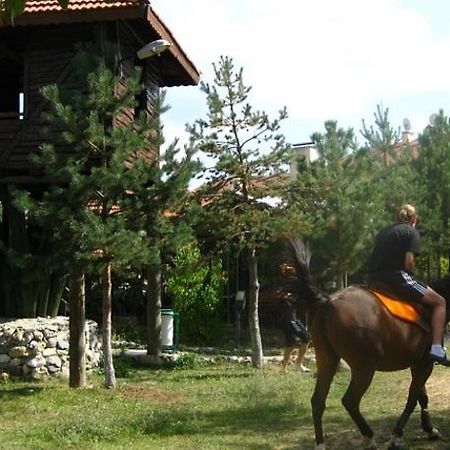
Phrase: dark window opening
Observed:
(11, 85)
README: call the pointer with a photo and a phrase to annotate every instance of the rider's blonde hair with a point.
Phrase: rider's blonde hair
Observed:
(406, 214)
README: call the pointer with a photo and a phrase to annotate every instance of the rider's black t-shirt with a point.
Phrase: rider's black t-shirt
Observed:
(391, 245)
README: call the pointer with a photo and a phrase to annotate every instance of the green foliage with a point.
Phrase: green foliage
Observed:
(392, 169)
(381, 138)
(122, 367)
(102, 209)
(187, 360)
(335, 191)
(195, 286)
(432, 170)
(9, 9)
(93, 182)
(129, 331)
(248, 156)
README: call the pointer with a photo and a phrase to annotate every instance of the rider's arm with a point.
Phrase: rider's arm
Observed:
(410, 260)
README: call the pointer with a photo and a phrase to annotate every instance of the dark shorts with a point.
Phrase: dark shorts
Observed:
(400, 283)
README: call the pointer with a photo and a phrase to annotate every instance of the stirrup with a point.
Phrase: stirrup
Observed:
(442, 360)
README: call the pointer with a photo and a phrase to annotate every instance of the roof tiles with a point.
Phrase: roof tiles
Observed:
(42, 6)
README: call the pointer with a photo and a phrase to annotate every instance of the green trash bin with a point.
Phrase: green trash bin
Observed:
(169, 329)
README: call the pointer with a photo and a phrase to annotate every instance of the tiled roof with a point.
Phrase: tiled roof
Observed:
(42, 6)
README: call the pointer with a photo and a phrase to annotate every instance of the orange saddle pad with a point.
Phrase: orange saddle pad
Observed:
(401, 309)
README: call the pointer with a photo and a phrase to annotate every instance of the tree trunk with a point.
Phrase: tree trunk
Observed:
(26, 291)
(77, 338)
(57, 285)
(110, 376)
(253, 319)
(154, 341)
(339, 277)
(42, 291)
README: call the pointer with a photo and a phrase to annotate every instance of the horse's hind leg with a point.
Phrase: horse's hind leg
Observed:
(417, 393)
(327, 363)
(425, 419)
(359, 383)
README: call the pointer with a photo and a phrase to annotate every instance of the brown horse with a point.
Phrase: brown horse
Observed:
(353, 325)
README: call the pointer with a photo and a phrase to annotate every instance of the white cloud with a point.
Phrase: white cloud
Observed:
(322, 59)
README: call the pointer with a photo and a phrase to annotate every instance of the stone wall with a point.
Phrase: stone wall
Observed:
(38, 348)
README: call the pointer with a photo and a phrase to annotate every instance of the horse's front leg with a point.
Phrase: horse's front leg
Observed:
(417, 392)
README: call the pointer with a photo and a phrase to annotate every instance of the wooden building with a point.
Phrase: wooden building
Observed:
(38, 50)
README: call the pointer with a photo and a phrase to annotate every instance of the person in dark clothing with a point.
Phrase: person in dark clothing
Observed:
(391, 265)
(293, 339)
(291, 320)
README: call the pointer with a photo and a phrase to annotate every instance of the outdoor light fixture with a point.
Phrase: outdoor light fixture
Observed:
(153, 48)
(147, 51)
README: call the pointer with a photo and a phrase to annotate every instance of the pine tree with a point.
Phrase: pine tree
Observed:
(163, 203)
(106, 205)
(381, 137)
(247, 157)
(335, 192)
(432, 175)
(391, 166)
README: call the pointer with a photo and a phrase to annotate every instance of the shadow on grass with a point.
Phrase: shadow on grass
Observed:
(257, 418)
(211, 376)
(8, 394)
(292, 421)
(341, 433)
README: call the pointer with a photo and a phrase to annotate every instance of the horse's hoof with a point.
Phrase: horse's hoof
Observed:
(393, 446)
(394, 443)
(434, 434)
(373, 446)
(370, 443)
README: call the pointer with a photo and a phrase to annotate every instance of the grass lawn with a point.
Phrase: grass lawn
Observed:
(220, 406)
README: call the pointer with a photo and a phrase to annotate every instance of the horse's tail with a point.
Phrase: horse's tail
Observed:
(311, 296)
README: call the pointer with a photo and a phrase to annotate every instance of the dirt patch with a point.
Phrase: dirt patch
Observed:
(152, 394)
(438, 389)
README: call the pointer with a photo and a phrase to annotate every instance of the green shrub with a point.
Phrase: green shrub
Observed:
(187, 361)
(195, 287)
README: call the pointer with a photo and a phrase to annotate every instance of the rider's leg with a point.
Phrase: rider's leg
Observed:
(286, 357)
(437, 302)
(301, 355)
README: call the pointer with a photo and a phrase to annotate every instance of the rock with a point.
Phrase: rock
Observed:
(37, 348)
(4, 359)
(62, 344)
(54, 361)
(52, 342)
(49, 351)
(4, 377)
(37, 361)
(18, 352)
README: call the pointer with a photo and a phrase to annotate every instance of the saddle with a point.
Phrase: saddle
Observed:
(406, 310)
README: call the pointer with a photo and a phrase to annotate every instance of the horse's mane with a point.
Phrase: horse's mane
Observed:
(308, 293)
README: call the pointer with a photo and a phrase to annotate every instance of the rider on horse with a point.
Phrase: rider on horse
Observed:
(391, 264)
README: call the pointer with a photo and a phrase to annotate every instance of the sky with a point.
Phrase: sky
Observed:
(321, 59)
